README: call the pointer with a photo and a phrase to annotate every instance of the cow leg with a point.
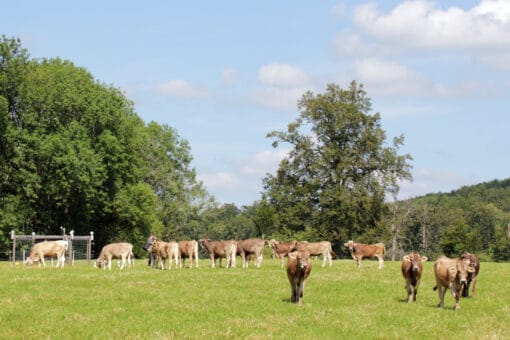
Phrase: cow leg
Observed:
(381, 262)
(473, 289)
(358, 262)
(281, 260)
(212, 261)
(441, 291)
(293, 296)
(409, 292)
(301, 289)
(457, 298)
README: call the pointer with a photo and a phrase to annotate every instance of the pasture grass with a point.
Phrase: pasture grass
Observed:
(83, 302)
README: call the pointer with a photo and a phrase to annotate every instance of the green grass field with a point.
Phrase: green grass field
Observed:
(83, 302)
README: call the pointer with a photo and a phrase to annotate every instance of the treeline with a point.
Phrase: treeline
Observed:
(74, 154)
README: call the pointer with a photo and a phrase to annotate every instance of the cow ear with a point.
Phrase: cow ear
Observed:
(470, 269)
(406, 258)
(293, 255)
(424, 259)
(452, 272)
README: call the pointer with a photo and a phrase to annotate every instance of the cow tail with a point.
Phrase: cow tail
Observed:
(333, 253)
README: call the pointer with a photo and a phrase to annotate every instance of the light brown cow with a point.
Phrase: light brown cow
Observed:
(318, 248)
(451, 273)
(251, 247)
(472, 261)
(121, 250)
(359, 251)
(162, 251)
(282, 249)
(412, 269)
(220, 249)
(188, 249)
(47, 249)
(299, 267)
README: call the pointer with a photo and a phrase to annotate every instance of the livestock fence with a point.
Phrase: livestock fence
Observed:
(79, 247)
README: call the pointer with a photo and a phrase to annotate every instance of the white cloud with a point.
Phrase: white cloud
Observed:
(229, 76)
(421, 24)
(182, 88)
(221, 180)
(278, 98)
(282, 75)
(264, 162)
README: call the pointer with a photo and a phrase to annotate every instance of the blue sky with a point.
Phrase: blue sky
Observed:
(225, 73)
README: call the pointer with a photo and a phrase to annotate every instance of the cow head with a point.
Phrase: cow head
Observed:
(100, 263)
(459, 272)
(302, 258)
(28, 262)
(416, 260)
(350, 245)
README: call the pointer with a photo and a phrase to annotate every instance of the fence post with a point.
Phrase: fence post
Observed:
(13, 238)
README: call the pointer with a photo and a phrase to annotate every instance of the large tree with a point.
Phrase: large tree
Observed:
(333, 182)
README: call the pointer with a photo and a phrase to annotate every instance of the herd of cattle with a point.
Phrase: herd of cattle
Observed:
(454, 274)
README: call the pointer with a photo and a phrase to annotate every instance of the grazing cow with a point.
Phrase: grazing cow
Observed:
(299, 267)
(318, 248)
(161, 251)
(412, 269)
(220, 249)
(471, 260)
(359, 251)
(249, 247)
(122, 250)
(451, 273)
(47, 249)
(281, 249)
(188, 249)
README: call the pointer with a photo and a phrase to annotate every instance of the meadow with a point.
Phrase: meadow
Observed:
(82, 302)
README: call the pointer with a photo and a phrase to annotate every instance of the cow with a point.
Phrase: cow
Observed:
(249, 247)
(299, 267)
(411, 270)
(122, 250)
(471, 260)
(47, 249)
(188, 249)
(281, 249)
(161, 251)
(318, 248)
(451, 273)
(220, 249)
(359, 251)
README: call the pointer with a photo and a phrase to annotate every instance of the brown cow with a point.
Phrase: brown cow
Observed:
(162, 251)
(220, 249)
(188, 249)
(359, 251)
(299, 267)
(471, 260)
(451, 273)
(111, 251)
(47, 249)
(412, 269)
(281, 249)
(318, 248)
(249, 247)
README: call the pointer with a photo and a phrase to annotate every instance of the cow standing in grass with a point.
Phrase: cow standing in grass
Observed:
(472, 261)
(299, 267)
(411, 270)
(188, 249)
(220, 249)
(47, 249)
(359, 251)
(281, 249)
(323, 248)
(162, 251)
(251, 247)
(121, 250)
(451, 274)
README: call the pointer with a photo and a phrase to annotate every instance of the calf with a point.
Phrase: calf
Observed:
(299, 267)
(252, 246)
(188, 249)
(359, 251)
(162, 251)
(318, 248)
(281, 249)
(220, 249)
(47, 249)
(451, 273)
(472, 261)
(122, 250)
(412, 269)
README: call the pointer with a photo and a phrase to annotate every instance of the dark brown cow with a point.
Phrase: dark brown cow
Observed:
(412, 269)
(472, 261)
(451, 273)
(220, 249)
(282, 249)
(323, 248)
(249, 247)
(188, 249)
(299, 267)
(359, 251)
